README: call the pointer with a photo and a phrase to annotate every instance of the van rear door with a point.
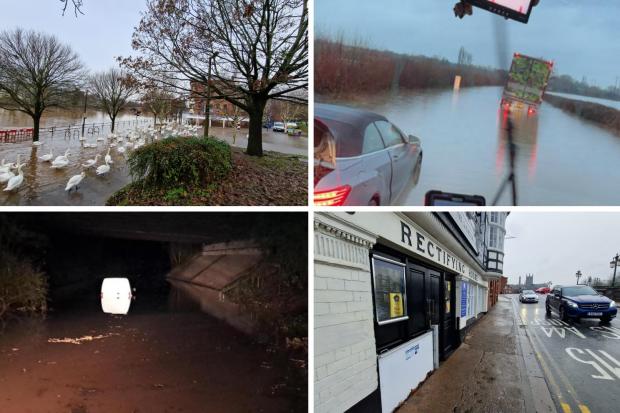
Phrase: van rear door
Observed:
(116, 295)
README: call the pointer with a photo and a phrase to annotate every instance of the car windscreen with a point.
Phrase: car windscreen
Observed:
(575, 291)
(348, 137)
(528, 292)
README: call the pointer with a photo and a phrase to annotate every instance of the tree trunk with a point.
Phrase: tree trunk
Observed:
(113, 118)
(255, 139)
(36, 119)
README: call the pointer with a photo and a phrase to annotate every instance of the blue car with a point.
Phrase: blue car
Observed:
(580, 301)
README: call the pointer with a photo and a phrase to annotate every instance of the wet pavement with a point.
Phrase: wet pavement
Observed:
(581, 360)
(272, 141)
(147, 361)
(485, 374)
(561, 159)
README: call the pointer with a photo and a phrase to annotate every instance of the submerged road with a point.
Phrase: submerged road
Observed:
(581, 360)
(147, 361)
(561, 159)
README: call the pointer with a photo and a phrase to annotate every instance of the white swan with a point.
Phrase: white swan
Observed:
(47, 157)
(37, 143)
(103, 169)
(5, 176)
(16, 164)
(108, 157)
(121, 149)
(16, 181)
(75, 181)
(61, 161)
(91, 162)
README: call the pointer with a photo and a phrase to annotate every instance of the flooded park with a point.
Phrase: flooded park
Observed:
(45, 184)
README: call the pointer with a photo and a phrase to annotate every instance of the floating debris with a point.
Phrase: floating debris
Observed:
(81, 339)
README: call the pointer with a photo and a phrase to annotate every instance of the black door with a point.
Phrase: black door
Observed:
(447, 328)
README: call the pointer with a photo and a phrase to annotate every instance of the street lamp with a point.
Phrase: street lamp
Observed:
(614, 264)
(578, 275)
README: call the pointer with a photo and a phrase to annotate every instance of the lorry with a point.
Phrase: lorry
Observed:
(527, 81)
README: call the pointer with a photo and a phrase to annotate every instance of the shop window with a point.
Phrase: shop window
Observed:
(494, 217)
(389, 290)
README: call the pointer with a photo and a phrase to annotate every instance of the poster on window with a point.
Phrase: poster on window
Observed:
(463, 299)
(389, 290)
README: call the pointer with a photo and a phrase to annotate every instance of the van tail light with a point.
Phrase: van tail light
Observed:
(333, 197)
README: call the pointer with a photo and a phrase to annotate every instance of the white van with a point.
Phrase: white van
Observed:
(116, 295)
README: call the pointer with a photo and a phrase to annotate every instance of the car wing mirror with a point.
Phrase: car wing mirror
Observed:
(414, 140)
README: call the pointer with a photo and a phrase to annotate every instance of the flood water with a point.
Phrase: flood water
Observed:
(561, 159)
(45, 186)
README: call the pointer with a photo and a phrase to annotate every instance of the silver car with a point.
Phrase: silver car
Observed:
(360, 158)
(528, 296)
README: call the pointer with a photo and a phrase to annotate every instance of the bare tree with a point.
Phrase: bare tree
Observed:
(158, 102)
(247, 52)
(77, 6)
(113, 89)
(36, 72)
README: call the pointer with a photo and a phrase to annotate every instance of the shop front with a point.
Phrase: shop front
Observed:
(418, 289)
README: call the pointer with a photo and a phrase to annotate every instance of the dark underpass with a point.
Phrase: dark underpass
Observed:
(194, 340)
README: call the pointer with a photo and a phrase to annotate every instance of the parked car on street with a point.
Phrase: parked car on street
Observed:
(360, 158)
(543, 290)
(528, 296)
(580, 301)
(278, 127)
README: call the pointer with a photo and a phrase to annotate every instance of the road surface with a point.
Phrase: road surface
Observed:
(581, 360)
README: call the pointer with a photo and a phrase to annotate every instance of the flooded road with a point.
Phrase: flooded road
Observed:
(580, 359)
(147, 361)
(561, 159)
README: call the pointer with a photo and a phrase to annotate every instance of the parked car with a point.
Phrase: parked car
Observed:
(543, 290)
(116, 295)
(278, 127)
(360, 158)
(580, 301)
(528, 296)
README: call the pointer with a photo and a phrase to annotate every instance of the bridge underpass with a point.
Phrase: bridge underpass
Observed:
(185, 345)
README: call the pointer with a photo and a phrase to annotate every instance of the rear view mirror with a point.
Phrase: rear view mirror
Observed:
(518, 10)
(414, 140)
(438, 198)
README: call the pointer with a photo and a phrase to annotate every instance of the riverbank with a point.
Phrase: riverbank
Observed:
(273, 179)
(601, 115)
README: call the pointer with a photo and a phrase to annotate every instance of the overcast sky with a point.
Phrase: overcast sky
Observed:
(103, 33)
(553, 246)
(580, 36)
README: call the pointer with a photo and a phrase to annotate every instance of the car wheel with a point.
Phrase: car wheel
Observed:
(547, 309)
(563, 315)
(417, 171)
(606, 319)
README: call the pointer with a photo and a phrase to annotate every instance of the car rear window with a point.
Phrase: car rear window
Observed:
(348, 138)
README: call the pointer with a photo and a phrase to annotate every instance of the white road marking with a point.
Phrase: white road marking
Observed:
(604, 375)
(614, 370)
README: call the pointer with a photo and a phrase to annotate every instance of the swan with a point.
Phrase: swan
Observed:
(75, 181)
(121, 149)
(103, 169)
(108, 157)
(16, 181)
(47, 157)
(16, 164)
(5, 176)
(37, 143)
(91, 162)
(61, 161)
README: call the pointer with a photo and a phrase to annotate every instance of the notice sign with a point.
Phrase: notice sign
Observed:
(463, 299)
(396, 305)
(389, 290)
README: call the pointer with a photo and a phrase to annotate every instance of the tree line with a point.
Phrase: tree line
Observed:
(247, 53)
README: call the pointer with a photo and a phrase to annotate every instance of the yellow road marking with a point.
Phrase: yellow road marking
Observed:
(584, 408)
(566, 407)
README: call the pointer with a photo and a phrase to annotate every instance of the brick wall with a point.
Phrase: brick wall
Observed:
(345, 356)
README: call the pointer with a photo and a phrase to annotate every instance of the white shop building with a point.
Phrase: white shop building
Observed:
(393, 295)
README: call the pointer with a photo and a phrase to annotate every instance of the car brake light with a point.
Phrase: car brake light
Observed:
(333, 197)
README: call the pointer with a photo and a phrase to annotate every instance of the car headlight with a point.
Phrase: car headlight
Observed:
(612, 304)
(572, 304)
